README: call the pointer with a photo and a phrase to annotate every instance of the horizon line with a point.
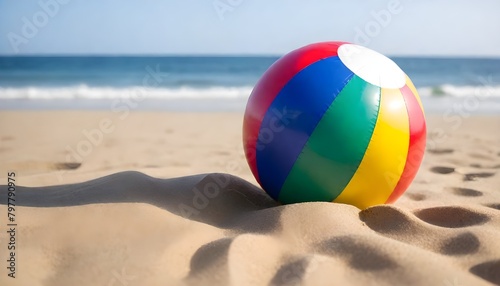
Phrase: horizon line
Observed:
(215, 55)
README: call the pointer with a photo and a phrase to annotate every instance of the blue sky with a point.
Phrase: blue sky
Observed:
(393, 27)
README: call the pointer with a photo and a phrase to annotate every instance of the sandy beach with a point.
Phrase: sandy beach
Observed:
(157, 198)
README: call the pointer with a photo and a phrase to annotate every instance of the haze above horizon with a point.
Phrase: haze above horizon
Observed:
(441, 28)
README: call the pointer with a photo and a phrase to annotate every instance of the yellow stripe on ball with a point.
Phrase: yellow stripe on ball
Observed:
(379, 171)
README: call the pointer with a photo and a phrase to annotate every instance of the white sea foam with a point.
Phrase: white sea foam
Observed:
(461, 91)
(216, 92)
(86, 92)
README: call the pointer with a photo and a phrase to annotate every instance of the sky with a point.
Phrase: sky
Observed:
(248, 27)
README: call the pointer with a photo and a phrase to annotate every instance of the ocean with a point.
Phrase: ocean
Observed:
(222, 83)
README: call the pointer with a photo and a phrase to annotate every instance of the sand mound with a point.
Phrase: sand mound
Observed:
(220, 229)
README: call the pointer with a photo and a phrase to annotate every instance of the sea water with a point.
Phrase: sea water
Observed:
(222, 83)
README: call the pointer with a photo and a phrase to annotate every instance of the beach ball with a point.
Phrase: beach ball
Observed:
(334, 122)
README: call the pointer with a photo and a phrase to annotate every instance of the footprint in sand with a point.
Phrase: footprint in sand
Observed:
(416, 196)
(33, 167)
(67, 166)
(291, 273)
(386, 219)
(465, 192)
(465, 243)
(451, 217)
(359, 254)
(209, 256)
(440, 151)
(494, 206)
(489, 271)
(442, 170)
(475, 176)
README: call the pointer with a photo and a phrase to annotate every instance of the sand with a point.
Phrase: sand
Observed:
(145, 199)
